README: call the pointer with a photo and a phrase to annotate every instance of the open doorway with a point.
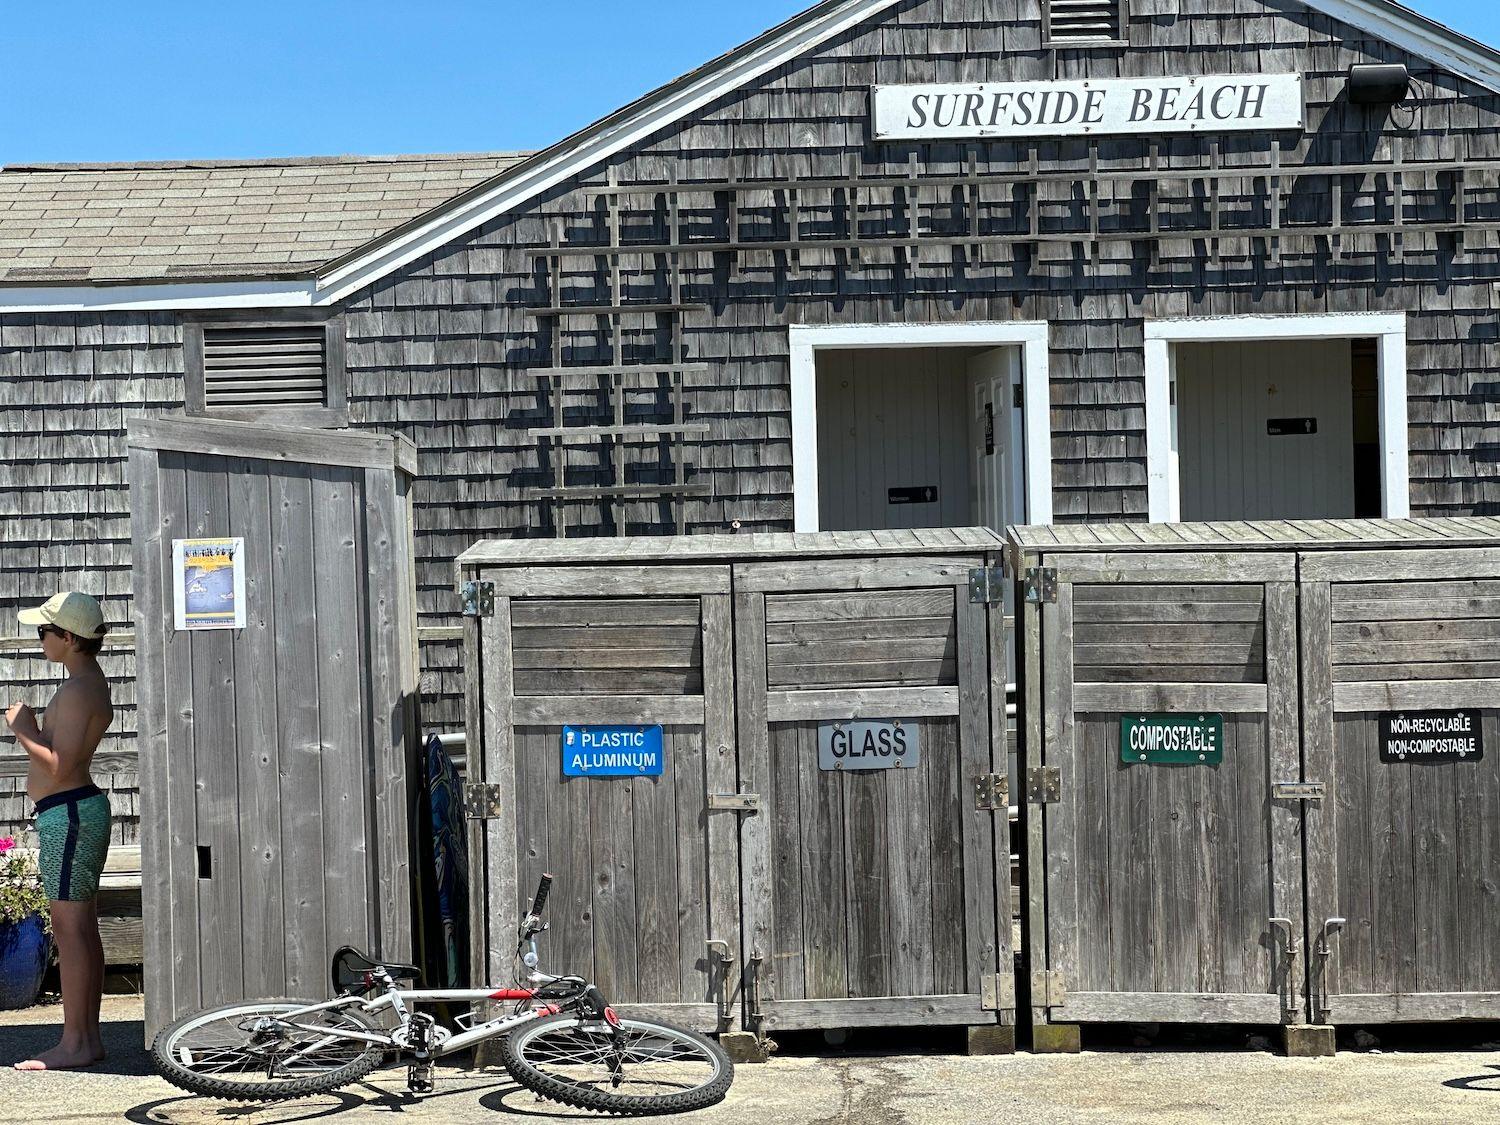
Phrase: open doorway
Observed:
(919, 437)
(1278, 429)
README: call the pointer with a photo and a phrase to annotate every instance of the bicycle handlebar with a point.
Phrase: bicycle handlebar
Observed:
(543, 888)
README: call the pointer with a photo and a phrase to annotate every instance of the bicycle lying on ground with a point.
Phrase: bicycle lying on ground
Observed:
(561, 1039)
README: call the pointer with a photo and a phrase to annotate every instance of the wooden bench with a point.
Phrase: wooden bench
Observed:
(119, 904)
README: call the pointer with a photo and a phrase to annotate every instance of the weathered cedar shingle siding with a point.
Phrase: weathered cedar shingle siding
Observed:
(441, 350)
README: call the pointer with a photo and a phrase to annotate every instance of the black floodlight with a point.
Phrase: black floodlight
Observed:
(1378, 84)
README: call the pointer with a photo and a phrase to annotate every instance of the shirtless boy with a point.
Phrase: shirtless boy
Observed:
(72, 814)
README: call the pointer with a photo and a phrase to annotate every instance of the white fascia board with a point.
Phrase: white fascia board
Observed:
(1413, 32)
(1219, 329)
(513, 193)
(157, 297)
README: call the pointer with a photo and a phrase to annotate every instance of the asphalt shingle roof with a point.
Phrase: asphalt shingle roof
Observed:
(215, 219)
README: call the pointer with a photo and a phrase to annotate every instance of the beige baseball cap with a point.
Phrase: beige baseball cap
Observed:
(72, 611)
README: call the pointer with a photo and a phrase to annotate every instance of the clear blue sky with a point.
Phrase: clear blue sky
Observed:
(155, 80)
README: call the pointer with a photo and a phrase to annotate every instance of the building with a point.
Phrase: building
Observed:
(893, 263)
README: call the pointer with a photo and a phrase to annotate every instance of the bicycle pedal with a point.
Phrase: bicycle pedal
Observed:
(419, 1079)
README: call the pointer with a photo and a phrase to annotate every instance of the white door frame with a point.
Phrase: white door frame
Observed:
(1163, 492)
(806, 340)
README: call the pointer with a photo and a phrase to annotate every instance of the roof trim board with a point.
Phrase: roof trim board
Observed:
(660, 109)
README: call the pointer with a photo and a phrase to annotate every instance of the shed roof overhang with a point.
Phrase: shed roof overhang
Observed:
(632, 124)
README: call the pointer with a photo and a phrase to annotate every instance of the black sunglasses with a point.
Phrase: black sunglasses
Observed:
(43, 630)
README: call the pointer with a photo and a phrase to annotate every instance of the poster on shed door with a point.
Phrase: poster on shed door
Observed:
(208, 583)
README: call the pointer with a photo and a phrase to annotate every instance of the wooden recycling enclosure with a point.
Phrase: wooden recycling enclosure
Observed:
(766, 771)
(1256, 781)
(277, 712)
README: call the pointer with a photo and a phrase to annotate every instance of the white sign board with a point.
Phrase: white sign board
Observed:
(1109, 106)
(208, 583)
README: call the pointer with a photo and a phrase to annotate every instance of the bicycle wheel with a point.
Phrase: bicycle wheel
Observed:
(241, 1053)
(649, 1067)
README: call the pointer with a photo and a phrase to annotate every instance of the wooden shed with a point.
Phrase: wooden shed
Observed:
(278, 746)
(812, 830)
(1256, 787)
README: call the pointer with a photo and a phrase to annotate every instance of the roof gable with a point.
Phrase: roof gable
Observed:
(509, 188)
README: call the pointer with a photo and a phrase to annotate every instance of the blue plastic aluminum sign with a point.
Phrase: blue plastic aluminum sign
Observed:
(612, 752)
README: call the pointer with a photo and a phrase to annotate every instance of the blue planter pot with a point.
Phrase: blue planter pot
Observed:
(24, 948)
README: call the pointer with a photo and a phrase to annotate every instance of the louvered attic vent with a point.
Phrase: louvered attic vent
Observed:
(1085, 21)
(256, 368)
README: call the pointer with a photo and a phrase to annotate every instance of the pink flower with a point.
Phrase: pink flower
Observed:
(6, 843)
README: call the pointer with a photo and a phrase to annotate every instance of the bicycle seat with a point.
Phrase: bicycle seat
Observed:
(350, 967)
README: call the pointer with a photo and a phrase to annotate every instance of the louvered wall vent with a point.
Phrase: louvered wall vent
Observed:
(1085, 21)
(251, 368)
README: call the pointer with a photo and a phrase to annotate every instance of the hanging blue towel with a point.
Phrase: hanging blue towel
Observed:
(450, 850)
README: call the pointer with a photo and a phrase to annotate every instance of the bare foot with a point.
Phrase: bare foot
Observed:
(61, 1058)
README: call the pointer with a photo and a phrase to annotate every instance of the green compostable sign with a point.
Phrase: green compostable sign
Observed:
(1172, 740)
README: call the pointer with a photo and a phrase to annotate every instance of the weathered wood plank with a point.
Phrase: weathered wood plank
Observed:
(475, 689)
(348, 847)
(1416, 608)
(1168, 697)
(614, 581)
(1284, 751)
(1443, 670)
(1115, 1007)
(611, 835)
(1407, 1007)
(854, 574)
(1188, 568)
(820, 839)
(934, 649)
(1429, 631)
(1412, 652)
(1060, 732)
(557, 710)
(656, 941)
(621, 638)
(386, 583)
(1125, 673)
(1213, 598)
(885, 1011)
(746, 620)
(593, 682)
(1398, 695)
(211, 437)
(783, 972)
(259, 757)
(1183, 635)
(863, 703)
(1320, 764)
(541, 659)
(1166, 653)
(940, 672)
(810, 633)
(1203, 614)
(1430, 564)
(501, 717)
(151, 560)
(782, 609)
(210, 698)
(529, 613)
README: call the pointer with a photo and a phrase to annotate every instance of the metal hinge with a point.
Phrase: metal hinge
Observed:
(992, 792)
(735, 802)
(1049, 989)
(719, 963)
(1041, 584)
(1298, 790)
(482, 801)
(987, 585)
(997, 992)
(479, 599)
(1043, 784)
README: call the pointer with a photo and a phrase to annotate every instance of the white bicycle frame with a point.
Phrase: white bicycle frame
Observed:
(398, 1000)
